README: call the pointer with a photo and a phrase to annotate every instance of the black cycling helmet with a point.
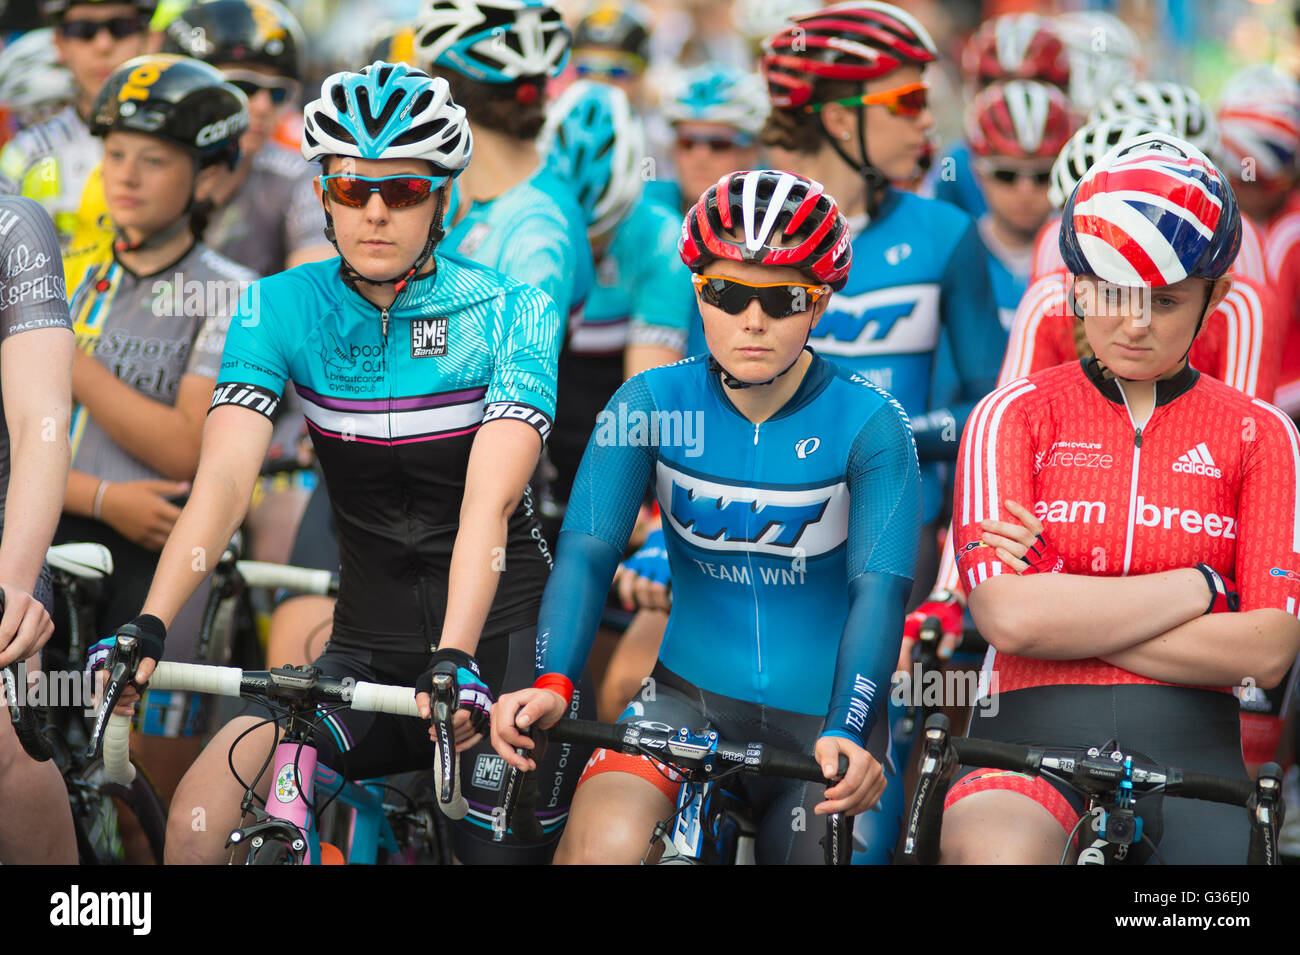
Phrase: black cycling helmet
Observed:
(624, 27)
(53, 10)
(178, 100)
(256, 32)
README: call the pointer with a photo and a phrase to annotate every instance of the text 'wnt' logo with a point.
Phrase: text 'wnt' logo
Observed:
(715, 518)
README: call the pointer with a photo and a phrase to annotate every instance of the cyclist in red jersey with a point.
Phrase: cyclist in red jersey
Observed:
(1103, 512)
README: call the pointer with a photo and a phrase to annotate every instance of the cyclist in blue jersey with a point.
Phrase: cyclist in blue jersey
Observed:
(1015, 130)
(635, 317)
(429, 385)
(850, 111)
(792, 532)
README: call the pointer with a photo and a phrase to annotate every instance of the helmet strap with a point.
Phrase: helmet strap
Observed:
(123, 244)
(735, 384)
(873, 178)
(1205, 310)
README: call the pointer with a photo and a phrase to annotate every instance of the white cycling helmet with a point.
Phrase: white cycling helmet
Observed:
(1259, 120)
(387, 111)
(33, 84)
(492, 41)
(756, 20)
(597, 144)
(718, 94)
(1089, 143)
(1103, 53)
(1176, 107)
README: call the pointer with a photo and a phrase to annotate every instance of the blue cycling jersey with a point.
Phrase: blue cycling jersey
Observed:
(792, 543)
(919, 272)
(393, 398)
(1009, 273)
(534, 232)
(952, 179)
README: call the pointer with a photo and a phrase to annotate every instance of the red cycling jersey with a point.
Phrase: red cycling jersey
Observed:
(1210, 478)
(1282, 257)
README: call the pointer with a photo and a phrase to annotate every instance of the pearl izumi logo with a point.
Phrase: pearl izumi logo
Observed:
(428, 337)
(1197, 461)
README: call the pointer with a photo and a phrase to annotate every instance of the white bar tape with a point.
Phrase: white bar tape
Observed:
(117, 750)
(378, 698)
(257, 573)
(197, 678)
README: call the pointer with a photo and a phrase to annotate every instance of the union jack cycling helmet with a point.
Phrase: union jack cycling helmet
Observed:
(493, 41)
(1020, 118)
(1089, 143)
(1016, 46)
(1176, 107)
(771, 218)
(854, 42)
(1151, 212)
(1259, 119)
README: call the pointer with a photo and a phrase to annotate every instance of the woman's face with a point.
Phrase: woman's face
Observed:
(752, 345)
(377, 241)
(705, 152)
(1143, 333)
(147, 183)
(895, 142)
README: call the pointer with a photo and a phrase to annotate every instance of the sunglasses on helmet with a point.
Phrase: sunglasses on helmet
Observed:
(281, 89)
(910, 100)
(398, 192)
(777, 300)
(118, 28)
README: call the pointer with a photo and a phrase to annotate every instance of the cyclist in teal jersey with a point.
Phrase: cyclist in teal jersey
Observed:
(635, 317)
(429, 387)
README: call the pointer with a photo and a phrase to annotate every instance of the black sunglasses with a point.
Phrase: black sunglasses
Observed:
(118, 28)
(1042, 177)
(778, 300)
(280, 89)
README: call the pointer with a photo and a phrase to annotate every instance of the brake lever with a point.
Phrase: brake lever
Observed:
(123, 663)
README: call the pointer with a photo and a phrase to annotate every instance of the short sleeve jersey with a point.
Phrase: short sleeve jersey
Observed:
(32, 290)
(51, 163)
(1212, 477)
(393, 399)
(274, 214)
(534, 232)
(150, 331)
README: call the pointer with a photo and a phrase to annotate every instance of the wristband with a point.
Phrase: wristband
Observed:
(1042, 558)
(1223, 598)
(556, 683)
(99, 500)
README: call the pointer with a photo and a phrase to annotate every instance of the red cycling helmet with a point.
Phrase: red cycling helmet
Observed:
(771, 218)
(854, 42)
(1016, 46)
(1022, 119)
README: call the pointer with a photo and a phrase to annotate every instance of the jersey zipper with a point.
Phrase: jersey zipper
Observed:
(753, 573)
(1133, 480)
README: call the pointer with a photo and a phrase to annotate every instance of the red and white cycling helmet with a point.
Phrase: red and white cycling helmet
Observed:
(1016, 46)
(1151, 212)
(1023, 119)
(852, 42)
(771, 218)
(1259, 120)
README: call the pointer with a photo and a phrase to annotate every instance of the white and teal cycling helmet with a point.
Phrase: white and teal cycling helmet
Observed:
(597, 144)
(493, 41)
(1176, 107)
(388, 111)
(719, 94)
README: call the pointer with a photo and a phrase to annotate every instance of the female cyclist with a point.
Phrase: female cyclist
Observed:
(429, 385)
(792, 534)
(151, 321)
(1103, 512)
